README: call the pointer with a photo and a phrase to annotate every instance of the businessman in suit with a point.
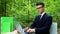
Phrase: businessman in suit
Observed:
(42, 22)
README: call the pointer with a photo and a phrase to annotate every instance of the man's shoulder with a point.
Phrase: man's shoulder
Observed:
(37, 15)
(48, 16)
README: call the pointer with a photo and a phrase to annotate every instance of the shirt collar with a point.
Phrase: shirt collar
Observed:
(42, 14)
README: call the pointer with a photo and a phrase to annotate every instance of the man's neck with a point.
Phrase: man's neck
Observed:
(42, 13)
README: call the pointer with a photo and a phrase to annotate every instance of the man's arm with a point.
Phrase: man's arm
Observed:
(34, 23)
(30, 29)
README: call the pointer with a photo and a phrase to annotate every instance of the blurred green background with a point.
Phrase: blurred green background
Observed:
(25, 10)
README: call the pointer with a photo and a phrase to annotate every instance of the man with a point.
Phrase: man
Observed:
(42, 22)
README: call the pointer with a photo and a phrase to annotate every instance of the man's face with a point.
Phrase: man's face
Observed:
(40, 8)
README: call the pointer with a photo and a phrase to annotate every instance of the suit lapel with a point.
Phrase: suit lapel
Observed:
(43, 16)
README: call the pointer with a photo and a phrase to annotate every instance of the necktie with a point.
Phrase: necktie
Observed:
(40, 16)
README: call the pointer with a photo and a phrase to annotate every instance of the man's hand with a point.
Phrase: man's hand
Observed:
(31, 30)
(26, 28)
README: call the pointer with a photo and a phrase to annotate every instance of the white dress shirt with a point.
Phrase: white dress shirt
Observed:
(42, 15)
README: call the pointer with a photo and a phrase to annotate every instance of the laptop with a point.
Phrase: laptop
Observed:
(19, 28)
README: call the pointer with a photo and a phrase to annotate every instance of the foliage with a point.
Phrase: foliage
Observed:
(25, 10)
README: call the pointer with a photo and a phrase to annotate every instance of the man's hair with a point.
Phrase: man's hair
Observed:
(40, 3)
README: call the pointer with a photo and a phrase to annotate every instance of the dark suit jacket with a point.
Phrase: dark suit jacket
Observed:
(42, 25)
